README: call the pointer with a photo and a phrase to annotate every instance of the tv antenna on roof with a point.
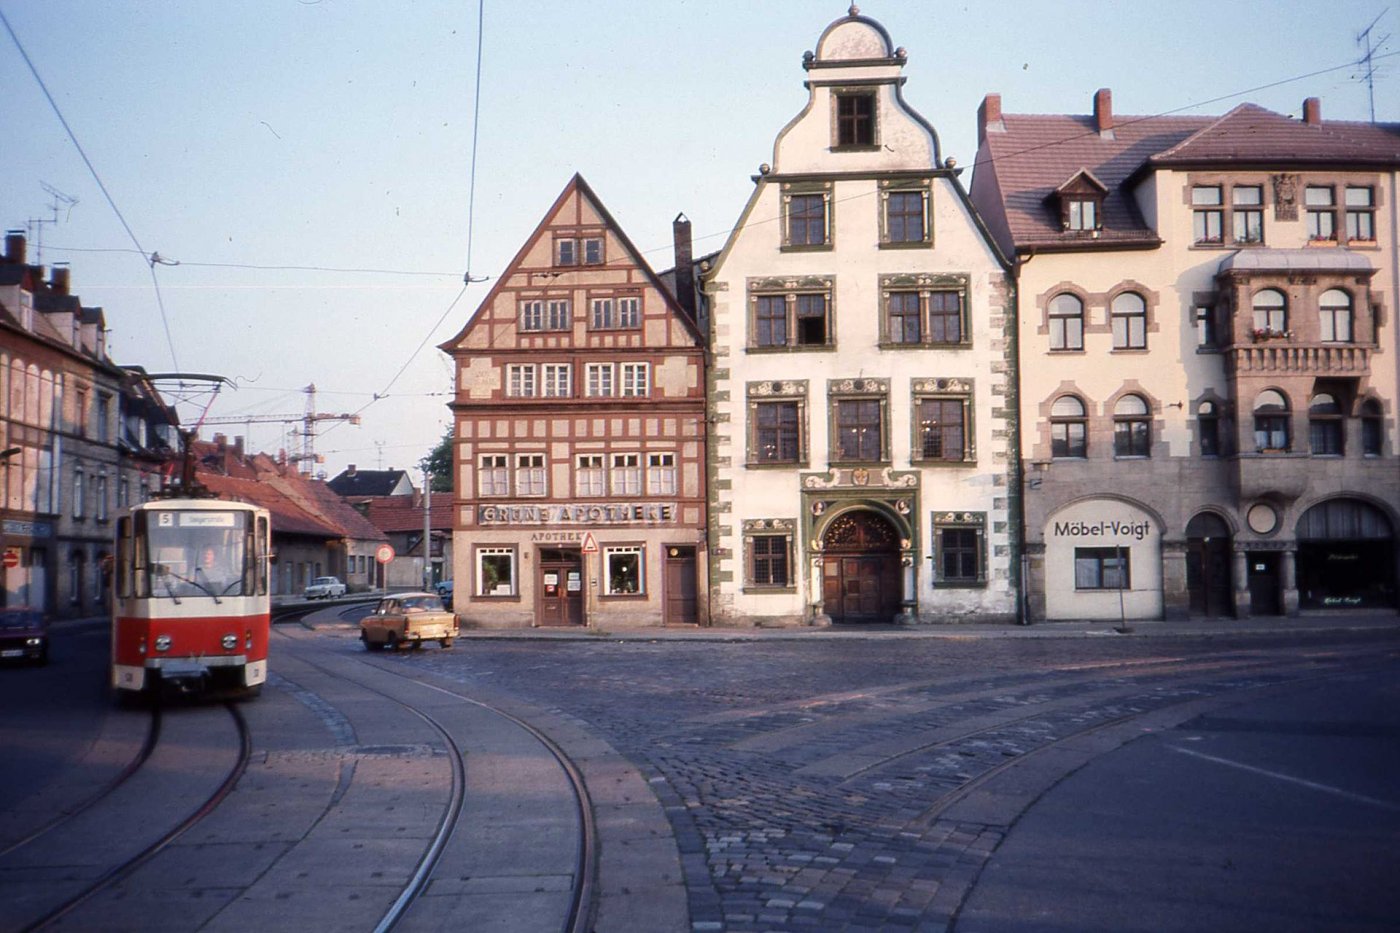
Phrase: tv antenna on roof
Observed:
(36, 224)
(1368, 62)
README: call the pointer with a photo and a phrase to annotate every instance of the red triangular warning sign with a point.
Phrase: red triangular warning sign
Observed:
(590, 546)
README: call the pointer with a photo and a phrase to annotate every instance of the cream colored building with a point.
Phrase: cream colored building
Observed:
(859, 437)
(1208, 356)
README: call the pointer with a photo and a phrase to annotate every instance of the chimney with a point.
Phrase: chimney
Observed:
(14, 246)
(989, 117)
(58, 280)
(1312, 111)
(220, 443)
(685, 265)
(1103, 111)
(238, 447)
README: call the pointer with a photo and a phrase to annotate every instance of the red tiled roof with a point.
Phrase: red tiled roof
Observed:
(1251, 134)
(1032, 155)
(402, 513)
(1036, 154)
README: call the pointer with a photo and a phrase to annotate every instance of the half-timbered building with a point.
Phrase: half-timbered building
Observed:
(580, 435)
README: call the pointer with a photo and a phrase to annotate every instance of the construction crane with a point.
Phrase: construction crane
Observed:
(308, 419)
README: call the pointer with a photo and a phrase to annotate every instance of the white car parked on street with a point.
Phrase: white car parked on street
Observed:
(324, 588)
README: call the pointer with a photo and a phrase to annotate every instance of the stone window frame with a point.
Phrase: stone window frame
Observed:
(920, 186)
(1371, 412)
(943, 389)
(1227, 183)
(1351, 210)
(1156, 425)
(789, 288)
(1275, 419)
(1130, 418)
(1064, 289)
(857, 390)
(768, 392)
(925, 285)
(1220, 412)
(1050, 420)
(1330, 426)
(793, 189)
(838, 121)
(975, 522)
(1334, 310)
(783, 528)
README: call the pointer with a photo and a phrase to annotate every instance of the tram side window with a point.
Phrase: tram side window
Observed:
(260, 560)
(250, 556)
(140, 578)
(123, 580)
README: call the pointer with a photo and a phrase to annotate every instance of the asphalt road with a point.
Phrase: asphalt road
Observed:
(862, 784)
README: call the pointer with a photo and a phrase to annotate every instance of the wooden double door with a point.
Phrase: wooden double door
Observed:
(861, 570)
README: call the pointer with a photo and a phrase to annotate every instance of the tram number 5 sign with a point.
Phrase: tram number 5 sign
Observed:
(384, 553)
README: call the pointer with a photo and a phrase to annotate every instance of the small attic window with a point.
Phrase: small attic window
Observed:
(855, 119)
(1081, 202)
(1081, 213)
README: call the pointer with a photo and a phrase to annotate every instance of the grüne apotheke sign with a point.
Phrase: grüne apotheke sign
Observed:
(570, 513)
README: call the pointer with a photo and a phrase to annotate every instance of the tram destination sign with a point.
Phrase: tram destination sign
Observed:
(572, 513)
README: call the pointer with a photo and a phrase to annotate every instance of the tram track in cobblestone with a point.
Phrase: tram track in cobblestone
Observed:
(125, 868)
(73, 811)
(578, 913)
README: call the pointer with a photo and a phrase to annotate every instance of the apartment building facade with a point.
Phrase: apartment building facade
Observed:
(1208, 351)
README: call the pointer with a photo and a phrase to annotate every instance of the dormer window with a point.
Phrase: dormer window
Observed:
(855, 119)
(1082, 214)
(1081, 202)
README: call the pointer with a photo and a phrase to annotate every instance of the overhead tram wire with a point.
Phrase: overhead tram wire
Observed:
(467, 278)
(151, 259)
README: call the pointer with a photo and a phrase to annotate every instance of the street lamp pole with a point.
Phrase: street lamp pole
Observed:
(5, 455)
(427, 530)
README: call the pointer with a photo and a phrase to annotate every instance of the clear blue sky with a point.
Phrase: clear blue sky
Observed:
(338, 134)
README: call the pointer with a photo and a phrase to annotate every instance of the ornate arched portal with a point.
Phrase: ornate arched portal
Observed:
(862, 578)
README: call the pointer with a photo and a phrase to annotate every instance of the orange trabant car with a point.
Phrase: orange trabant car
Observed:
(408, 619)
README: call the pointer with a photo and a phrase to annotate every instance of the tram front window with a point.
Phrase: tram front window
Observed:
(198, 553)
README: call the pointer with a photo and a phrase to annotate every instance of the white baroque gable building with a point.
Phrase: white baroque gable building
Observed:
(859, 442)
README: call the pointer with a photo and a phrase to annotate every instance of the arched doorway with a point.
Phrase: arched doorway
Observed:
(1346, 556)
(861, 578)
(1208, 558)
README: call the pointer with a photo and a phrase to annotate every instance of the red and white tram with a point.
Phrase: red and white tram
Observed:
(191, 608)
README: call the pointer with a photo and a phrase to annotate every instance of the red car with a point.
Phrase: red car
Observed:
(23, 635)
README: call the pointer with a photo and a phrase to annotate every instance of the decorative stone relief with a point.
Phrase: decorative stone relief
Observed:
(1285, 196)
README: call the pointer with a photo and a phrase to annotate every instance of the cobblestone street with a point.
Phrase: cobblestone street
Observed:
(863, 784)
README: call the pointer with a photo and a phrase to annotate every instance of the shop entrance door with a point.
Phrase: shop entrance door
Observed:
(680, 586)
(1263, 583)
(559, 587)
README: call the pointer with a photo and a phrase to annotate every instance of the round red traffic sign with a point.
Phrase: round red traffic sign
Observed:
(384, 553)
(11, 558)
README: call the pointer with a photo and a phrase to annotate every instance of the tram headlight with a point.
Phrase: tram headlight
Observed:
(162, 642)
(248, 640)
(230, 641)
(32, 642)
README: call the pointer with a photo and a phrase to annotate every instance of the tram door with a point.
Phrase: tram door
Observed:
(680, 586)
(1264, 584)
(559, 587)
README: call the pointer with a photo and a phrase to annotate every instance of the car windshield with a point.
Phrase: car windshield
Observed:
(322, 581)
(422, 604)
